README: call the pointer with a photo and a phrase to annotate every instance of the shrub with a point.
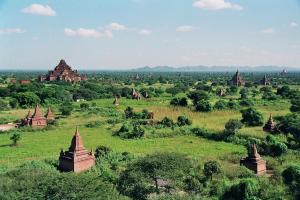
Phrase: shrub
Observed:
(203, 106)
(246, 102)
(94, 124)
(211, 168)
(179, 102)
(66, 109)
(233, 105)
(102, 151)
(15, 138)
(220, 105)
(167, 122)
(251, 117)
(129, 112)
(183, 121)
(232, 126)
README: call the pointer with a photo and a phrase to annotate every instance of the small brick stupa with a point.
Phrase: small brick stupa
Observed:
(135, 95)
(77, 158)
(270, 126)
(35, 120)
(116, 101)
(49, 115)
(254, 162)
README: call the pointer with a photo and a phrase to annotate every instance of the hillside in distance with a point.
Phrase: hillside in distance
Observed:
(203, 68)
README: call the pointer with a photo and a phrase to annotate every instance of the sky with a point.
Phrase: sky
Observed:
(121, 34)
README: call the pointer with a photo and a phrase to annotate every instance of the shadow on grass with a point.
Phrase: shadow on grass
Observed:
(6, 145)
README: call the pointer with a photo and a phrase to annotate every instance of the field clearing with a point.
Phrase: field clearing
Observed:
(47, 144)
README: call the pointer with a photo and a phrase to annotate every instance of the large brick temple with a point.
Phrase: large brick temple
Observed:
(63, 72)
(77, 158)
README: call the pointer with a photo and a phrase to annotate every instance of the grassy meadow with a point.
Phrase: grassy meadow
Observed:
(46, 144)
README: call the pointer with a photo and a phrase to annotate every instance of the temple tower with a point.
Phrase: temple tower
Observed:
(38, 120)
(254, 162)
(77, 158)
(270, 126)
(49, 115)
(237, 80)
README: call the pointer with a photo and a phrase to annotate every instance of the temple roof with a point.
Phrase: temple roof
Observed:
(29, 115)
(76, 143)
(37, 112)
(253, 152)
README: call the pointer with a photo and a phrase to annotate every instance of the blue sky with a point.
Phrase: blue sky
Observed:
(119, 34)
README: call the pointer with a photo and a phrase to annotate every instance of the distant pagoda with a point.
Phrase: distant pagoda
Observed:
(237, 79)
(270, 126)
(116, 101)
(77, 158)
(63, 72)
(265, 81)
(254, 162)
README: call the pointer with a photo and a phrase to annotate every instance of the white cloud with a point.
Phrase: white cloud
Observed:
(145, 32)
(82, 32)
(116, 27)
(184, 28)
(293, 24)
(11, 30)
(216, 5)
(268, 31)
(38, 9)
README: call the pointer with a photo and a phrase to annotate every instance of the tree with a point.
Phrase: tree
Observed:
(167, 122)
(84, 106)
(232, 126)
(102, 151)
(290, 124)
(291, 177)
(251, 117)
(198, 95)
(15, 138)
(27, 99)
(220, 105)
(183, 121)
(295, 107)
(203, 106)
(129, 112)
(284, 91)
(179, 102)
(211, 168)
(247, 189)
(66, 109)
(155, 173)
(3, 105)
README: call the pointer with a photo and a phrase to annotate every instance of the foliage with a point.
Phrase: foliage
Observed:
(102, 151)
(232, 126)
(66, 109)
(156, 173)
(211, 168)
(167, 122)
(183, 121)
(251, 117)
(203, 106)
(179, 102)
(15, 138)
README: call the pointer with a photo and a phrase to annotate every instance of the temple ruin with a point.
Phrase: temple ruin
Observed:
(37, 119)
(237, 80)
(77, 158)
(63, 72)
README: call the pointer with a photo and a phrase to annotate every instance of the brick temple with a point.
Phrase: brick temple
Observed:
(63, 72)
(77, 158)
(135, 95)
(270, 126)
(237, 79)
(254, 162)
(37, 119)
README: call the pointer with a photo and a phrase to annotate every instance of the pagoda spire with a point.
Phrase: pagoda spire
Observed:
(76, 143)
(37, 112)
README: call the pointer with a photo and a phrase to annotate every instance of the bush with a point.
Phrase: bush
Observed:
(203, 106)
(246, 102)
(183, 121)
(179, 102)
(233, 105)
(211, 168)
(94, 124)
(66, 109)
(220, 105)
(232, 126)
(251, 117)
(102, 151)
(167, 122)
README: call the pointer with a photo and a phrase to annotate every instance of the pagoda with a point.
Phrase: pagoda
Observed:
(237, 79)
(270, 126)
(77, 158)
(135, 95)
(63, 72)
(254, 162)
(265, 81)
(36, 119)
(49, 115)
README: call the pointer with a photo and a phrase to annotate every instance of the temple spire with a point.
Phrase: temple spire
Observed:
(76, 144)
(37, 112)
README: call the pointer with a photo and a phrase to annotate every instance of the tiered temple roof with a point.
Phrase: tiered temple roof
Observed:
(49, 115)
(63, 72)
(265, 81)
(77, 158)
(254, 162)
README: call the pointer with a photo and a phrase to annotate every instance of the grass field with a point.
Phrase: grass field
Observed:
(47, 144)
